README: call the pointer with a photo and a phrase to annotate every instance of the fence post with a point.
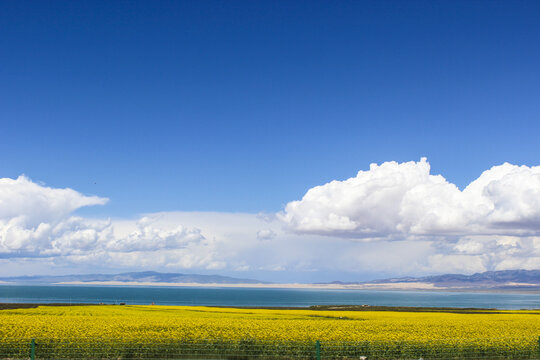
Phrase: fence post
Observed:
(33, 349)
(318, 350)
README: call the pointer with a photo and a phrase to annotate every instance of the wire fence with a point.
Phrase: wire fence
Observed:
(524, 348)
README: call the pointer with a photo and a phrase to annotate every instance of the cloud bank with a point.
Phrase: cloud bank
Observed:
(393, 219)
(404, 201)
(37, 221)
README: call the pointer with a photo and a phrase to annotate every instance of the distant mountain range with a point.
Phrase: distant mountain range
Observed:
(506, 279)
(145, 276)
(503, 280)
(487, 278)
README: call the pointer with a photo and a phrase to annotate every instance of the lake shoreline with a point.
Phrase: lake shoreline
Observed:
(403, 286)
(265, 297)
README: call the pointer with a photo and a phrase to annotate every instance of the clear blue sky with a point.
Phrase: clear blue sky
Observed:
(241, 106)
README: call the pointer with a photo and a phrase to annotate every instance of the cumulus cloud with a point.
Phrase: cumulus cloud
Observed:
(404, 201)
(37, 221)
(266, 234)
(493, 252)
(148, 238)
(30, 204)
(492, 224)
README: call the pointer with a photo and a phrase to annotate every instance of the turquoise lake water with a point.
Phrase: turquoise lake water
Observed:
(262, 297)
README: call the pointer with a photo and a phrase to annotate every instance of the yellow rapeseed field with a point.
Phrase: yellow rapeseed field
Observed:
(167, 324)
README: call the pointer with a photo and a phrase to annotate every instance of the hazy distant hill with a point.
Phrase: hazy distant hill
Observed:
(505, 279)
(508, 279)
(485, 278)
(145, 276)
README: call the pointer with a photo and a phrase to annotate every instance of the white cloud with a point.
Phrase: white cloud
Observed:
(490, 225)
(404, 201)
(30, 204)
(461, 264)
(149, 238)
(266, 234)
(36, 221)
(496, 252)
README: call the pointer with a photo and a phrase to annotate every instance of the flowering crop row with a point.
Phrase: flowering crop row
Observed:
(109, 329)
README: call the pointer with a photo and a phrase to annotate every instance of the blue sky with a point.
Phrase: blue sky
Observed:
(242, 106)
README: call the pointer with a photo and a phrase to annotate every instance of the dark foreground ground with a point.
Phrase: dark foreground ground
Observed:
(8, 306)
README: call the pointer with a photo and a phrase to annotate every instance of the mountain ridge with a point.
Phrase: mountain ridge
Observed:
(494, 277)
(502, 279)
(142, 276)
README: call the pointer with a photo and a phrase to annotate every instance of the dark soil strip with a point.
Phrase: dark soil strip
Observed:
(8, 306)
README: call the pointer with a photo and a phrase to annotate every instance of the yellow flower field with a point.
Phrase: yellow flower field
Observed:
(162, 325)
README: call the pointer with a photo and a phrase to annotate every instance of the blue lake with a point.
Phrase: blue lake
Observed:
(262, 297)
